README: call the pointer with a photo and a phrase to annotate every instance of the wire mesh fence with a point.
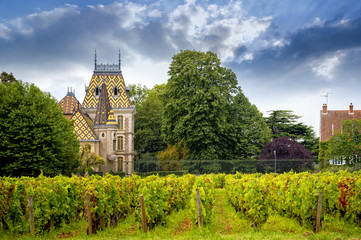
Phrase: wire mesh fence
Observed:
(226, 166)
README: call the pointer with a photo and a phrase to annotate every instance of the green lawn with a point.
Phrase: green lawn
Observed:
(225, 223)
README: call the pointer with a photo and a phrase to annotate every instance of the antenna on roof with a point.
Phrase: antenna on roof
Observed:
(95, 60)
(326, 96)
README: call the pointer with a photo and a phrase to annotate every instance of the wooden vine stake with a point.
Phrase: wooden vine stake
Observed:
(319, 212)
(31, 215)
(199, 208)
(144, 219)
(89, 217)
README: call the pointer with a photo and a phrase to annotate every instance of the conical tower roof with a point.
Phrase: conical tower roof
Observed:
(111, 119)
(103, 108)
(69, 103)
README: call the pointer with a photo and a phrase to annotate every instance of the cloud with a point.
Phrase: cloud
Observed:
(4, 31)
(325, 68)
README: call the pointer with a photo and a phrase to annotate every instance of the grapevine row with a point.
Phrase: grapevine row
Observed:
(295, 195)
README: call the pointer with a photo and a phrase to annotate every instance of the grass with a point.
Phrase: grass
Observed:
(225, 223)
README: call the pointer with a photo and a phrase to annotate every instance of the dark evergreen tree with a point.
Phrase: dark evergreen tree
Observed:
(34, 135)
(284, 123)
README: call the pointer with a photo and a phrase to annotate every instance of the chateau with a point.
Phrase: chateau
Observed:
(105, 119)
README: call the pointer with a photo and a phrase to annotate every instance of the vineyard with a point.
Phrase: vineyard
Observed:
(62, 200)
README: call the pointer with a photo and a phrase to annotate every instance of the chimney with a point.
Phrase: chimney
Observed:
(324, 108)
(351, 109)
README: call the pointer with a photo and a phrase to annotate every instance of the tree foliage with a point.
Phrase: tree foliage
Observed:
(34, 135)
(88, 159)
(171, 158)
(206, 110)
(137, 93)
(346, 144)
(148, 122)
(7, 77)
(285, 148)
(284, 123)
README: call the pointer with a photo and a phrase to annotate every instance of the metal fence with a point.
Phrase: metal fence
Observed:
(226, 166)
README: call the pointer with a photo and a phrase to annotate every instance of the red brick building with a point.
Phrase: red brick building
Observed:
(331, 120)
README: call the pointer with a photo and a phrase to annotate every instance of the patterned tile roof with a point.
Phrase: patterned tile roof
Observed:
(115, 86)
(103, 108)
(83, 125)
(68, 103)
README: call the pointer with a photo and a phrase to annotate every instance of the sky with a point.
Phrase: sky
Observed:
(287, 54)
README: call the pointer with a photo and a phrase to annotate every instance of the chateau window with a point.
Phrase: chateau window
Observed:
(115, 91)
(97, 90)
(120, 143)
(120, 163)
(114, 145)
(103, 135)
(120, 122)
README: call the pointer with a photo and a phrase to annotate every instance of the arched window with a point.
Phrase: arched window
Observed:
(97, 91)
(116, 91)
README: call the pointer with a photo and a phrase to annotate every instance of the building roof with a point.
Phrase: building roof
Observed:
(331, 120)
(83, 125)
(103, 108)
(115, 87)
(68, 103)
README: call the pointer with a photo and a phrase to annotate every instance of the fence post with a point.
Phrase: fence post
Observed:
(199, 209)
(89, 217)
(319, 212)
(144, 219)
(31, 215)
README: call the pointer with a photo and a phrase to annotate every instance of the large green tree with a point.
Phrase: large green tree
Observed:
(147, 126)
(148, 122)
(206, 111)
(34, 135)
(285, 123)
(345, 145)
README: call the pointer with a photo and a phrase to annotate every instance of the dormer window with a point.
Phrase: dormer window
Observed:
(116, 91)
(97, 91)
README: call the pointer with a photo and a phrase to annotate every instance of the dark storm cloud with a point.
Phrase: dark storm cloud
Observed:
(302, 47)
(74, 33)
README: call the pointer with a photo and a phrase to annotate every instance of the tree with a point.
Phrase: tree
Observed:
(247, 129)
(285, 148)
(346, 144)
(284, 123)
(206, 111)
(137, 93)
(171, 158)
(148, 122)
(7, 77)
(88, 159)
(195, 103)
(34, 135)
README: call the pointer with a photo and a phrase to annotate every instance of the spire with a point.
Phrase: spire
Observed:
(103, 108)
(95, 60)
(119, 60)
